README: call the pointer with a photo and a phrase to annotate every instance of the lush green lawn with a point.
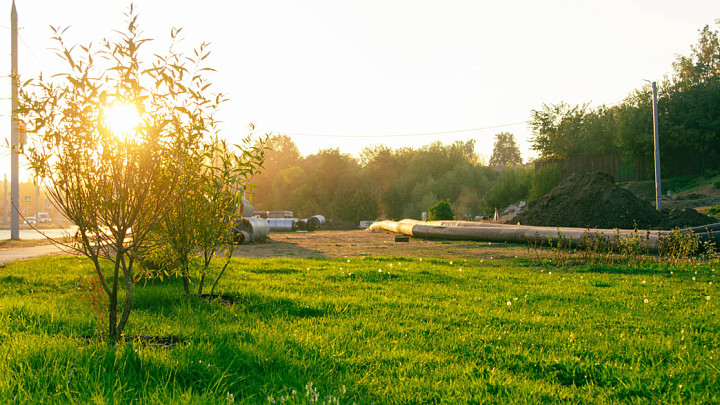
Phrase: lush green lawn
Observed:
(383, 330)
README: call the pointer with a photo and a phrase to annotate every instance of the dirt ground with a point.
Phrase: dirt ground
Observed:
(328, 244)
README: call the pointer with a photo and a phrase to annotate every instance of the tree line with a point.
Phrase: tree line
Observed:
(688, 114)
(390, 183)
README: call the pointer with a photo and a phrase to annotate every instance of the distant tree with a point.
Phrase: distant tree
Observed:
(441, 211)
(280, 153)
(703, 64)
(505, 151)
(292, 190)
(512, 186)
(330, 175)
(557, 129)
(381, 167)
(689, 109)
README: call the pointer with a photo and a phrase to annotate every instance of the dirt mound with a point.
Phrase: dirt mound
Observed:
(687, 218)
(593, 200)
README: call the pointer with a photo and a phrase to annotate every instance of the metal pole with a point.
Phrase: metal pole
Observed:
(5, 199)
(14, 141)
(658, 190)
(37, 200)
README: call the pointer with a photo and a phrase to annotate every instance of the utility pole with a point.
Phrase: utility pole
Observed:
(5, 199)
(14, 135)
(37, 201)
(658, 190)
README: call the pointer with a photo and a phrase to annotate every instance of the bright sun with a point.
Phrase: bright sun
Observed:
(121, 119)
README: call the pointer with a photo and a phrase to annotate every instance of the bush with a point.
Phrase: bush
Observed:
(512, 186)
(713, 211)
(545, 180)
(441, 211)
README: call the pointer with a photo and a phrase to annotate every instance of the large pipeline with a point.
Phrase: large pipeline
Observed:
(571, 237)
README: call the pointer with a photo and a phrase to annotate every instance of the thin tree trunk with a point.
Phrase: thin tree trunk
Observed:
(127, 273)
(96, 262)
(200, 284)
(206, 264)
(186, 282)
(212, 290)
(112, 308)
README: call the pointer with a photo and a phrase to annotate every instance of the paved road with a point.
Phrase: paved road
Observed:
(33, 234)
(24, 253)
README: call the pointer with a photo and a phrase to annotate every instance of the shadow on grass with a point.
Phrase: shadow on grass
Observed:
(270, 306)
(168, 302)
(272, 271)
(436, 278)
(600, 268)
(273, 248)
(617, 269)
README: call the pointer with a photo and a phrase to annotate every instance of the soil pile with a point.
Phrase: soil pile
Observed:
(686, 218)
(592, 200)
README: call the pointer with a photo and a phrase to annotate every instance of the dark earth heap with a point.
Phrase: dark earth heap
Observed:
(592, 200)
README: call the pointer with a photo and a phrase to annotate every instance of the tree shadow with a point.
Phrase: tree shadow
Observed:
(271, 249)
(270, 306)
(169, 303)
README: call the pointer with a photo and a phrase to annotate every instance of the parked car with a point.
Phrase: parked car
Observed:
(30, 221)
(43, 218)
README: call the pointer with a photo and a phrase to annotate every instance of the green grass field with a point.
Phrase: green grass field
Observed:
(373, 330)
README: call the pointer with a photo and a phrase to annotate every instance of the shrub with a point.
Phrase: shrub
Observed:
(545, 180)
(441, 211)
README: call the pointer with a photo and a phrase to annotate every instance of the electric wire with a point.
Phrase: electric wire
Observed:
(400, 135)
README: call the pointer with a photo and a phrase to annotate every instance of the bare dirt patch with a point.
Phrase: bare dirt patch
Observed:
(329, 244)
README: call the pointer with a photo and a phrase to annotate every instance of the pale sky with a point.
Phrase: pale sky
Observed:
(358, 69)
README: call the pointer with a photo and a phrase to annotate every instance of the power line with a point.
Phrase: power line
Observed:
(31, 51)
(402, 135)
(606, 105)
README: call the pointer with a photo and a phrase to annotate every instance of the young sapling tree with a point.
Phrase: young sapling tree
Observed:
(109, 138)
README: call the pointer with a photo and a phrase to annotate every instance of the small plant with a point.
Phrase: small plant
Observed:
(713, 211)
(441, 211)
(312, 396)
(680, 246)
(93, 296)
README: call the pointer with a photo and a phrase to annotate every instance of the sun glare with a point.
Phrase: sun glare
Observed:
(122, 119)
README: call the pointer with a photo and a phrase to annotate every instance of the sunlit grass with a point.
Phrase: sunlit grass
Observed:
(383, 330)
